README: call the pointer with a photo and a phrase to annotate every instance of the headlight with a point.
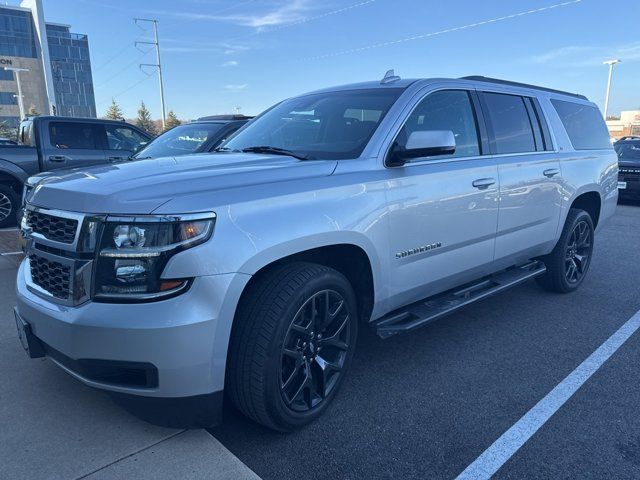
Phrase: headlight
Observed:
(133, 252)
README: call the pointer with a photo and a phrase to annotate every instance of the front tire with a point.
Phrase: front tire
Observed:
(568, 263)
(292, 343)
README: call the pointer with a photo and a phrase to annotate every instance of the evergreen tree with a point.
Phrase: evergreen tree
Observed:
(7, 131)
(114, 112)
(171, 121)
(144, 119)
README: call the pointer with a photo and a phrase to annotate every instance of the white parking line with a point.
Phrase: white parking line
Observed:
(9, 229)
(508, 444)
(10, 253)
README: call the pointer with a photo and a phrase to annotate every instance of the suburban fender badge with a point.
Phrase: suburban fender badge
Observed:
(415, 251)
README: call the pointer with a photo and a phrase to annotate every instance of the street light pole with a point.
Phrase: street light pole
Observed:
(611, 63)
(158, 65)
(20, 101)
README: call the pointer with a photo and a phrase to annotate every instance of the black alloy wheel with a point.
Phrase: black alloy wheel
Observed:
(291, 345)
(568, 263)
(578, 252)
(315, 350)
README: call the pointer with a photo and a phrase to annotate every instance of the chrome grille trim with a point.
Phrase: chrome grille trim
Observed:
(40, 237)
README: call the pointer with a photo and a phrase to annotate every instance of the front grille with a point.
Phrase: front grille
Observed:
(57, 229)
(51, 276)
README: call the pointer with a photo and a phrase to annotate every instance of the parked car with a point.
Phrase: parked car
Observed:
(5, 142)
(382, 205)
(628, 151)
(202, 135)
(52, 143)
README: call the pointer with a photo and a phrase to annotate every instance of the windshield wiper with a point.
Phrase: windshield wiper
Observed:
(277, 151)
(225, 149)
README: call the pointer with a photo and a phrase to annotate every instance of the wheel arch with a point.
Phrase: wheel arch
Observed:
(591, 202)
(357, 262)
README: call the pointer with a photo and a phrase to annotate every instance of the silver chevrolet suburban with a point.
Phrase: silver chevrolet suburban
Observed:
(382, 205)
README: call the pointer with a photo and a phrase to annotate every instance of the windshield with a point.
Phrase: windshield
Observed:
(181, 140)
(331, 125)
(629, 151)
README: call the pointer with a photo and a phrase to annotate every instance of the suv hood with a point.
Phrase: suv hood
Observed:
(141, 186)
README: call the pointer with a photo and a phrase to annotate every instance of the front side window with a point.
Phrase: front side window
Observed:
(69, 135)
(584, 125)
(124, 138)
(512, 129)
(446, 110)
(181, 140)
(330, 125)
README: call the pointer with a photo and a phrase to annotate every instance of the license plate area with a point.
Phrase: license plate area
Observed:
(29, 342)
(622, 185)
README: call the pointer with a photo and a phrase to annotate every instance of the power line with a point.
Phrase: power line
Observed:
(441, 32)
(130, 87)
(128, 65)
(120, 52)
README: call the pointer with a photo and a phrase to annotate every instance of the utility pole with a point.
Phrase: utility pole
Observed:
(20, 100)
(611, 63)
(158, 65)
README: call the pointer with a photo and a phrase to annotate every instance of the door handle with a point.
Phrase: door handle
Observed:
(483, 183)
(58, 158)
(551, 172)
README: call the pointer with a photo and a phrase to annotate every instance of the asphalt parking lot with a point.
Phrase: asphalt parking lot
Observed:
(427, 404)
(422, 405)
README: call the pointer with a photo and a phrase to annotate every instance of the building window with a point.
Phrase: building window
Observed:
(6, 75)
(8, 98)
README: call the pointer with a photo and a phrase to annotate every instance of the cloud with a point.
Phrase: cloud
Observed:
(284, 12)
(234, 87)
(230, 63)
(587, 56)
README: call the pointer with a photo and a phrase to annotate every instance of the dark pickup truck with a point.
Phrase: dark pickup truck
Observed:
(52, 143)
(628, 150)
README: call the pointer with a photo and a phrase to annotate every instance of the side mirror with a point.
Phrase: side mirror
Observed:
(422, 143)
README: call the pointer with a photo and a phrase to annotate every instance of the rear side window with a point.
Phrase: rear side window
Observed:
(82, 136)
(584, 125)
(510, 122)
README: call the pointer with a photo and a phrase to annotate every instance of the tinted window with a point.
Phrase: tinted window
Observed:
(124, 138)
(329, 125)
(446, 110)
(584, 125)
(510, 121)
(181, 140)
(75, 135)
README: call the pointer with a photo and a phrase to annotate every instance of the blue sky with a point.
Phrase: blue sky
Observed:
(221, 54)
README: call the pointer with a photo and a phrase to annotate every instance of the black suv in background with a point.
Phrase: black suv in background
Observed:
(628, 151)
(200, 136)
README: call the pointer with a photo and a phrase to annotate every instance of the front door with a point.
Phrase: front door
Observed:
(443, 210)
(73, 144)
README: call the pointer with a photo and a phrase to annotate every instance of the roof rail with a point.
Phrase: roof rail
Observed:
(480, 78)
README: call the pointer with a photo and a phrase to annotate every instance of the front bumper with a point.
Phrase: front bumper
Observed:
(631, 183)
(182, 340)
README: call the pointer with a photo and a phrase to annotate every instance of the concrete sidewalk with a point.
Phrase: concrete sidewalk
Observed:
(56, 428)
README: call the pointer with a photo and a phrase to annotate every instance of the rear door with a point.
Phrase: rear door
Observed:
(73, 144)
(122, 141)
(530, 176)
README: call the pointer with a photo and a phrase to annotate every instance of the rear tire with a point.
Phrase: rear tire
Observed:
(568, 263)
(292, 343)
(9, 204)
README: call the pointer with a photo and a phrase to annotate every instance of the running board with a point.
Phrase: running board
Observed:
(425, 311)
